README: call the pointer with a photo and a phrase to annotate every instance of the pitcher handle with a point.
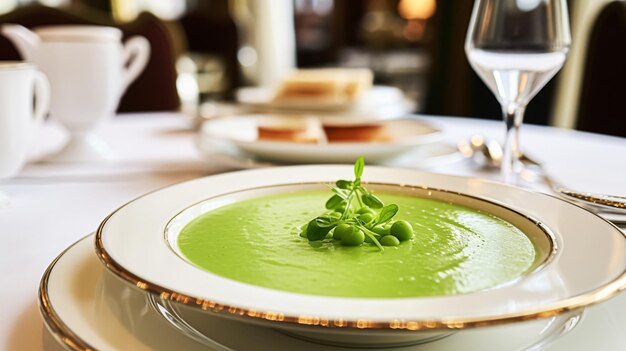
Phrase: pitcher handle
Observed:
(42, 97)
(136, 55)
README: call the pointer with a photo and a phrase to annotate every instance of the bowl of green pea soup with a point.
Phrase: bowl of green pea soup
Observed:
(361, 256)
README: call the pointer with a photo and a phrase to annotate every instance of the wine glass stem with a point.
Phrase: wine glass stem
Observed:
(513, 115)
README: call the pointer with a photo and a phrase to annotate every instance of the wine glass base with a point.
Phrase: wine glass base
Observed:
(85, 148)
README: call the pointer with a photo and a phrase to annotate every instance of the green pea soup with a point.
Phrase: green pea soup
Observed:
(456, 249)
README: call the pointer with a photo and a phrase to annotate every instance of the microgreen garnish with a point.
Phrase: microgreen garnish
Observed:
(354, 215)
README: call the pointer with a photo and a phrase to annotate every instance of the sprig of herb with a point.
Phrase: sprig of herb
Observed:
(355, 215)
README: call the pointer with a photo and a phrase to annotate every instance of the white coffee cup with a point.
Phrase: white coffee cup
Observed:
(89, 70)
(20, 83)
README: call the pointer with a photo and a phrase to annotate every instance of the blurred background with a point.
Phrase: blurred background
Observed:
(204, 50)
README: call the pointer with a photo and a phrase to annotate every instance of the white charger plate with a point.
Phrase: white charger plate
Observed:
(379, 102)
(588, 267)
(84, 307)
(241, 131)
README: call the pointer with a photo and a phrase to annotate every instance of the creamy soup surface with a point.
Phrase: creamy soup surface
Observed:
(455, 249)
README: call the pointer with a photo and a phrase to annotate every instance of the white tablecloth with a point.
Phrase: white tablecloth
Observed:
(53, 205)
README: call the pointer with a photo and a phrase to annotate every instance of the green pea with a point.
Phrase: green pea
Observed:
(341, 208)
(379, 229)
(365, 209)
(341, 230)
(354, 238)
(402, 230)
(367, 217)
(389, 240)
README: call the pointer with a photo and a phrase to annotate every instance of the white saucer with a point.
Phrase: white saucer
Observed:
(85, 307)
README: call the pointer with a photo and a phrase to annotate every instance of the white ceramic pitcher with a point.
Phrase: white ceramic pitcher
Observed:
(89, 70)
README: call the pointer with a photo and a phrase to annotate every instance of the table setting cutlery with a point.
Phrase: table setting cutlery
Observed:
(488, 153)
(601, 203)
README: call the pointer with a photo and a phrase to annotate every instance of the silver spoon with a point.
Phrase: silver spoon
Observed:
(489, 154)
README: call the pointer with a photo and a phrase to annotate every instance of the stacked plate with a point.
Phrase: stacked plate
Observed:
(140, 290)
(412, 142)
(379, 102)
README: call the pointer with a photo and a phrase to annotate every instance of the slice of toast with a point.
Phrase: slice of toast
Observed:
(296, 130)
(325, 86)
(367, 132)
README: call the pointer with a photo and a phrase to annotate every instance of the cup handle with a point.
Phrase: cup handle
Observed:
(136, 55)
(42, 97)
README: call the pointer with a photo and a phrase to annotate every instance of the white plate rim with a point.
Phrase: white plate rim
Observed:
(59, 329)
(327, 318)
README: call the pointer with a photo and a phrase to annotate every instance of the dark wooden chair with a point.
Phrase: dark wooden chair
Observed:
(153, 90)
(210, 29)
(601, 107)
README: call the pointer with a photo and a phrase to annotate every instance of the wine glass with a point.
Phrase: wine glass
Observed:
(516, 47)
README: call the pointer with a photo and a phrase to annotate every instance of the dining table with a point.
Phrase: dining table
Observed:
(52, 205)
